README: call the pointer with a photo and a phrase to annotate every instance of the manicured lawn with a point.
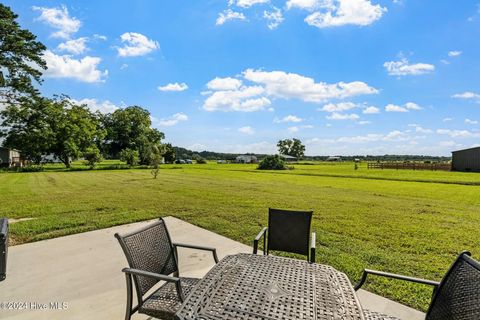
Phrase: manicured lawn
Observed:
(363, 218)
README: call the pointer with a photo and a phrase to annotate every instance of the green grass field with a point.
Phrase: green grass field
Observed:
(410, 222)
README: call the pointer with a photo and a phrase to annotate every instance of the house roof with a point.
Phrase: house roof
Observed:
(286, 156)
(466, 149)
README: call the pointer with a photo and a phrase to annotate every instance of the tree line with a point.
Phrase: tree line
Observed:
(40, 127)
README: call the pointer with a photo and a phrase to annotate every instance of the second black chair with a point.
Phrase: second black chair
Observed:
(287, 231)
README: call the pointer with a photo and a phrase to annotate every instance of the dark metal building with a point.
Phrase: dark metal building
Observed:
(466, 160)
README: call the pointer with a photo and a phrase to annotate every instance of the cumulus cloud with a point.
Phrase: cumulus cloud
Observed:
(343, 116)
(76, 46)
(310, 5)
(371, 110)
(174, 87)
(289, 118)
(273, 17)
(104, 106)
(170, 121)
(224, 84)
(247, 130)
(341, 12)
(249, 3)
(338, 107)
(454, 53)
(84, 69)
(470, 121)
(59, 18)
(422, 130)
(458, 133)
(403, 67)
(447, 119)
(229, 94)
(405, 108)
(227, 15)
(136, 44)
(467, 95)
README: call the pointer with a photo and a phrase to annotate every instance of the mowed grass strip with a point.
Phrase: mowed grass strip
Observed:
(398, 226)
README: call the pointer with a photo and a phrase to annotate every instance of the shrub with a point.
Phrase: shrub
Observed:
(200, 160)
(92, 156)
(131, 157)
(272, 163)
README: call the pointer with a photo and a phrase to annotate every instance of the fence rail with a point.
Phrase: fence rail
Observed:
(409, 166)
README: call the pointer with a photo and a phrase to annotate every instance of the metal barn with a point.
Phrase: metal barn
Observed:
(466, 160)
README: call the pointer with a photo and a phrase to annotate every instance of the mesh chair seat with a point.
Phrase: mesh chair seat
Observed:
(373, 315)
(165, 302)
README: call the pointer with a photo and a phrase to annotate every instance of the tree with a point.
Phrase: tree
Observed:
(291, 147)
(155, 162)
(169, 153)
(21, 59)
(131, 128)
(274, 162)
(129, 156)
(41, 126)
(92, 156)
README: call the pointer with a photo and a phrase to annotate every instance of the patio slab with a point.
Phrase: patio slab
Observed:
(81, 273)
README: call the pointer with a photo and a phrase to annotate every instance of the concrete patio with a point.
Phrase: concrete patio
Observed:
(84, 272)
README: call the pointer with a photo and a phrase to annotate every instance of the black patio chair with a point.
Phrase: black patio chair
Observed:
(287, 231)
(3, 248)
(153, 258)
(456, 297)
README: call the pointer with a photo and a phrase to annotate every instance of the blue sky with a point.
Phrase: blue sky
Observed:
(344, 76)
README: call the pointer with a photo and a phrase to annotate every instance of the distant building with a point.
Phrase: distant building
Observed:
(467, 160)
(10, 158)
(288, 158)
(334, 159)
(246, 158)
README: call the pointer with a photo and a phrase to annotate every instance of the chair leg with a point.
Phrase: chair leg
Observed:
(128, 311)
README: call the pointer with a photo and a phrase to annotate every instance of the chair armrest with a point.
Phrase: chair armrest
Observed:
(312, 247)
(257, 238)
(141, 273)
(191, 246)
(366, 272)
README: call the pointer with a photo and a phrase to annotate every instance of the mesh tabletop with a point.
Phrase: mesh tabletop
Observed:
(246, 286)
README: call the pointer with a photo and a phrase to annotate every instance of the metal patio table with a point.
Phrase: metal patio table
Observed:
(246, 286)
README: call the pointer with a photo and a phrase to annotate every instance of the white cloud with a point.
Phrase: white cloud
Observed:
(422, 130)
(104, 106)
(100, 37)
(247, 130)
(403, 67)
(224, 84)
(395, 108)
(84, 69)
(274, 17)
(310, 5)
(454, 53)
(249, 3)
(228, 94)
(171, 121)
(338, 107)
(229, 14)
(363, 122)
(469, 121)
(371, 110)
(291, 85)
(174, 87)
(246, 99)
(59, 18)
(124, 66)
(412, 106)
(289, 118)
(197, 147)
(458, 133)
(293, 129)
(346, 12)
(405, 108)
(343, 116)
(467, 95)
(136, 44)
(76, 46)
(447, 119)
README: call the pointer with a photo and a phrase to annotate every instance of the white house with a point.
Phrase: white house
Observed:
(246, 158)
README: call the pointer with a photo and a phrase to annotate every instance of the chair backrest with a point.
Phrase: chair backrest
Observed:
(458, 296)
(3, 248)
(289, 231)
(149, 249)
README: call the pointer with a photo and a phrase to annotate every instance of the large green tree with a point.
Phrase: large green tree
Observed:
(20, 59)
(131, 128)
(292, 147)
(41, 126)
(169, 153)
